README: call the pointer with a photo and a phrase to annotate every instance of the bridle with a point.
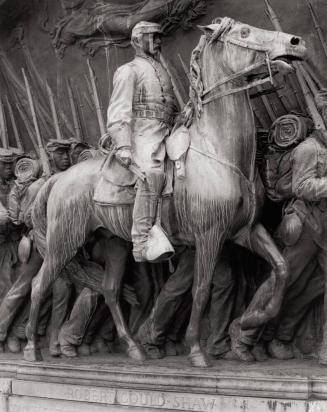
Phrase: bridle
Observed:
(206, 96)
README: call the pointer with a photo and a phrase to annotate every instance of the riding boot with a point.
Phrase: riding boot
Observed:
(149, 241)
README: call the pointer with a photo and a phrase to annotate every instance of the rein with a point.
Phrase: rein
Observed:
(266, 62)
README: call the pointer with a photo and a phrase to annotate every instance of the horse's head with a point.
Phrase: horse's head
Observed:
(241, 47)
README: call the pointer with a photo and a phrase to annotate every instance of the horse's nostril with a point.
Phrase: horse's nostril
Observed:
(295, 41)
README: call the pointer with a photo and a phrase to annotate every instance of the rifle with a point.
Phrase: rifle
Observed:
(267, 105)
(178, 95)
(19, 142)
(283, 98)
(53, 112)
(3, 126)
(96, 99)
(317, 27)
(311, 107)
(28, 127)
(81, 110)
(73, 107)
(313, 75)
(43, 155)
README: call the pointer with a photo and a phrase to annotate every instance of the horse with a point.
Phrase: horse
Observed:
(219, 198)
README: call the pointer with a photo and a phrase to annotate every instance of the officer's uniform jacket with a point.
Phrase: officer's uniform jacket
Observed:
(141, 111)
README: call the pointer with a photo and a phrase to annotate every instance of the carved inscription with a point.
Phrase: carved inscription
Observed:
(111, 396)
(165, 400)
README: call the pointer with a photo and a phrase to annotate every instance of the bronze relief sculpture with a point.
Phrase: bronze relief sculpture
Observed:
(218, 199)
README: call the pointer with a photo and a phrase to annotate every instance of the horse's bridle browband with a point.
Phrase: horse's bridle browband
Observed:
(234, 76)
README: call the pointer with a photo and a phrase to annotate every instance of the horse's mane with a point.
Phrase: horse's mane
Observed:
(219, 28)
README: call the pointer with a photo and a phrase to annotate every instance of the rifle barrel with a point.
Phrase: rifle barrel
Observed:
(19, 142)
(317, 27)
(178, 94)
(53, 112)
(3, 126)
(73, 107)
(96, 99)
(42, 152)
(28, 127)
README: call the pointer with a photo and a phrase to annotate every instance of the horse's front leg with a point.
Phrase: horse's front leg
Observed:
(267, 301)
(207, 251)
(116, 254)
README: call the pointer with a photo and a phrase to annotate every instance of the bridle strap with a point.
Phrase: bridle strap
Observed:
(236, 90)
(235, 76)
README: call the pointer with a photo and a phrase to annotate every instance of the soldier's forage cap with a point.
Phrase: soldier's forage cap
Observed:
(146, 27)
(54, 145)
(77, 143)
(6, 156)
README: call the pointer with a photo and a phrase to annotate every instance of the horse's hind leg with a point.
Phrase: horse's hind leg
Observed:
(116, 255)
(267, 301)
(40, 286)
(54, 262)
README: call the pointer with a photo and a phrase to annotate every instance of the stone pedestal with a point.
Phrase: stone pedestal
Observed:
(113, 383)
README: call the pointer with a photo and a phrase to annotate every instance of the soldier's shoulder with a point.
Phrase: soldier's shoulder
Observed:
(308, 146)
(125, 70)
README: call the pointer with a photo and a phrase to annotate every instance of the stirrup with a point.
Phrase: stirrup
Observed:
(157, 248)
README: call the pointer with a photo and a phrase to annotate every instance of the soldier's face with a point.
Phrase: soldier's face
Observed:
(61, 159)
(6, 170)
(151, 44)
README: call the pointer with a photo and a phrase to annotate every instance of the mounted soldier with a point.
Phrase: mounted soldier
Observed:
(141, 114)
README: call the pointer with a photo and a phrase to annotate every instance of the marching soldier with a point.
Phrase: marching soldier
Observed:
(58, 151)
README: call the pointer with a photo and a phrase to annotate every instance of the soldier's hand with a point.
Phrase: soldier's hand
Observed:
(124, 156)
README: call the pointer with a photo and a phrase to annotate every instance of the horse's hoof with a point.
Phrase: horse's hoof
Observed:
(32, 354)
(134, 352)
(198, 360)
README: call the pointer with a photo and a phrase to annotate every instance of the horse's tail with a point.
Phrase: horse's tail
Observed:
(39, 214)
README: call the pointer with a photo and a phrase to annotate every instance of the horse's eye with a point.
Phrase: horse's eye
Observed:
(245, 31)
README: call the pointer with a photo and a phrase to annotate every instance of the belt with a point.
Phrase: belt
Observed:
(153, 114)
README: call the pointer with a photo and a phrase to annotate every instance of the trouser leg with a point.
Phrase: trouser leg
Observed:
(101, 324)
(297, 258)
(322, 259)
(145, 210)
(141, 281)
(80, 317)
(297, 306)
(156, 327)
(61, 292)
(222, 306)
(17, 294)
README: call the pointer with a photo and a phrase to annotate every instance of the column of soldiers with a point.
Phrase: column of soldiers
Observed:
(140, 116)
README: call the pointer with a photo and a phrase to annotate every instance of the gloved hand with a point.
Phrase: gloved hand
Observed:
(124, 155)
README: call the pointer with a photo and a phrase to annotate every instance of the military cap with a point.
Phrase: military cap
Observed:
(75, 143)
(54, 144)
(6, 156)
(146, 27)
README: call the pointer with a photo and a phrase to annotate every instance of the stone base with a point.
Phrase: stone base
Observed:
(114, 383)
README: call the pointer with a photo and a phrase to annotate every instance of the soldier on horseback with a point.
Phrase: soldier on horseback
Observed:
(140, 116)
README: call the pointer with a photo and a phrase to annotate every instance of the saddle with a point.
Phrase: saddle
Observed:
(116, 186)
